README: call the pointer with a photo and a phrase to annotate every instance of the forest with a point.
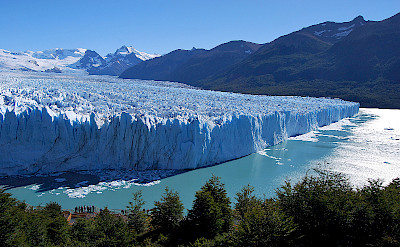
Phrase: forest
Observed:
(322, 209)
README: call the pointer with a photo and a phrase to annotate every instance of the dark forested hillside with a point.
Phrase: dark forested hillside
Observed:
(363, 66)
(160, 68)
(357, 60)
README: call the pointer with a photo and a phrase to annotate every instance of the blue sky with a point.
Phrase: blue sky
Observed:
(160, 26)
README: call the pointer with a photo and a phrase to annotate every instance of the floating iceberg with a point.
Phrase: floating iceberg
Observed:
(53, 123)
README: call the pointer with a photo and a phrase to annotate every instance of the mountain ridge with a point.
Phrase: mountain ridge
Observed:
(357, 60)
(308, 39)
(60, 60)
(364, 66)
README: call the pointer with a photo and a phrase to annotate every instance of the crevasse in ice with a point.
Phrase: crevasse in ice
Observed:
(52, 123)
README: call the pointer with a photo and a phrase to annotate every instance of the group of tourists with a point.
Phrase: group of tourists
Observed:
(85, 209)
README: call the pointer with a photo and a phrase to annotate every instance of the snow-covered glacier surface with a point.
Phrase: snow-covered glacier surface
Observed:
(51, 123)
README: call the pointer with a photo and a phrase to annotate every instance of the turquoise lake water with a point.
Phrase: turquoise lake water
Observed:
(341, 147)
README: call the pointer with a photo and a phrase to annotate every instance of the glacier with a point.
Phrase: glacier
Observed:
(52, 123)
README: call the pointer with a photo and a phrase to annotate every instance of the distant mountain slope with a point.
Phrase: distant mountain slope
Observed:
(160, 68)
(362, 66)
(213, 61)
(48, 60)
(369, 53)
(191, 66)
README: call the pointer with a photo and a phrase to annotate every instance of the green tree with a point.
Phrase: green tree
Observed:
(264, 224)
(167, 214)
(392, 200)
(31, 230)
(322, 207)
(381, 213)
(56, 225)
(83, 232)
(11, 217)
(136, 214)
(211, 213)
(245, 201)
(111, 230)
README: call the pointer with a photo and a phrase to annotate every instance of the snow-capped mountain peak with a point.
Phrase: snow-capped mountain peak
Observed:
(123, 58)
(124, 50)
(127, 50)
(73, 60)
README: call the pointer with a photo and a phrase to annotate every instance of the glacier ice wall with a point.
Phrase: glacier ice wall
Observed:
(85, 124)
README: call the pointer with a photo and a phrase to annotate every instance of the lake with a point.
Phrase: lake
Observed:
(362, 147)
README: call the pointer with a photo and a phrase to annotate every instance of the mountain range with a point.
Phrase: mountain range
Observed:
(357, 60)
(114, 63)
(78, 60)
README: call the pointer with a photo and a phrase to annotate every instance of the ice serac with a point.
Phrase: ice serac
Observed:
(45, 127)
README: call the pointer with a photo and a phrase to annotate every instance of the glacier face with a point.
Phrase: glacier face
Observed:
(68, 122)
